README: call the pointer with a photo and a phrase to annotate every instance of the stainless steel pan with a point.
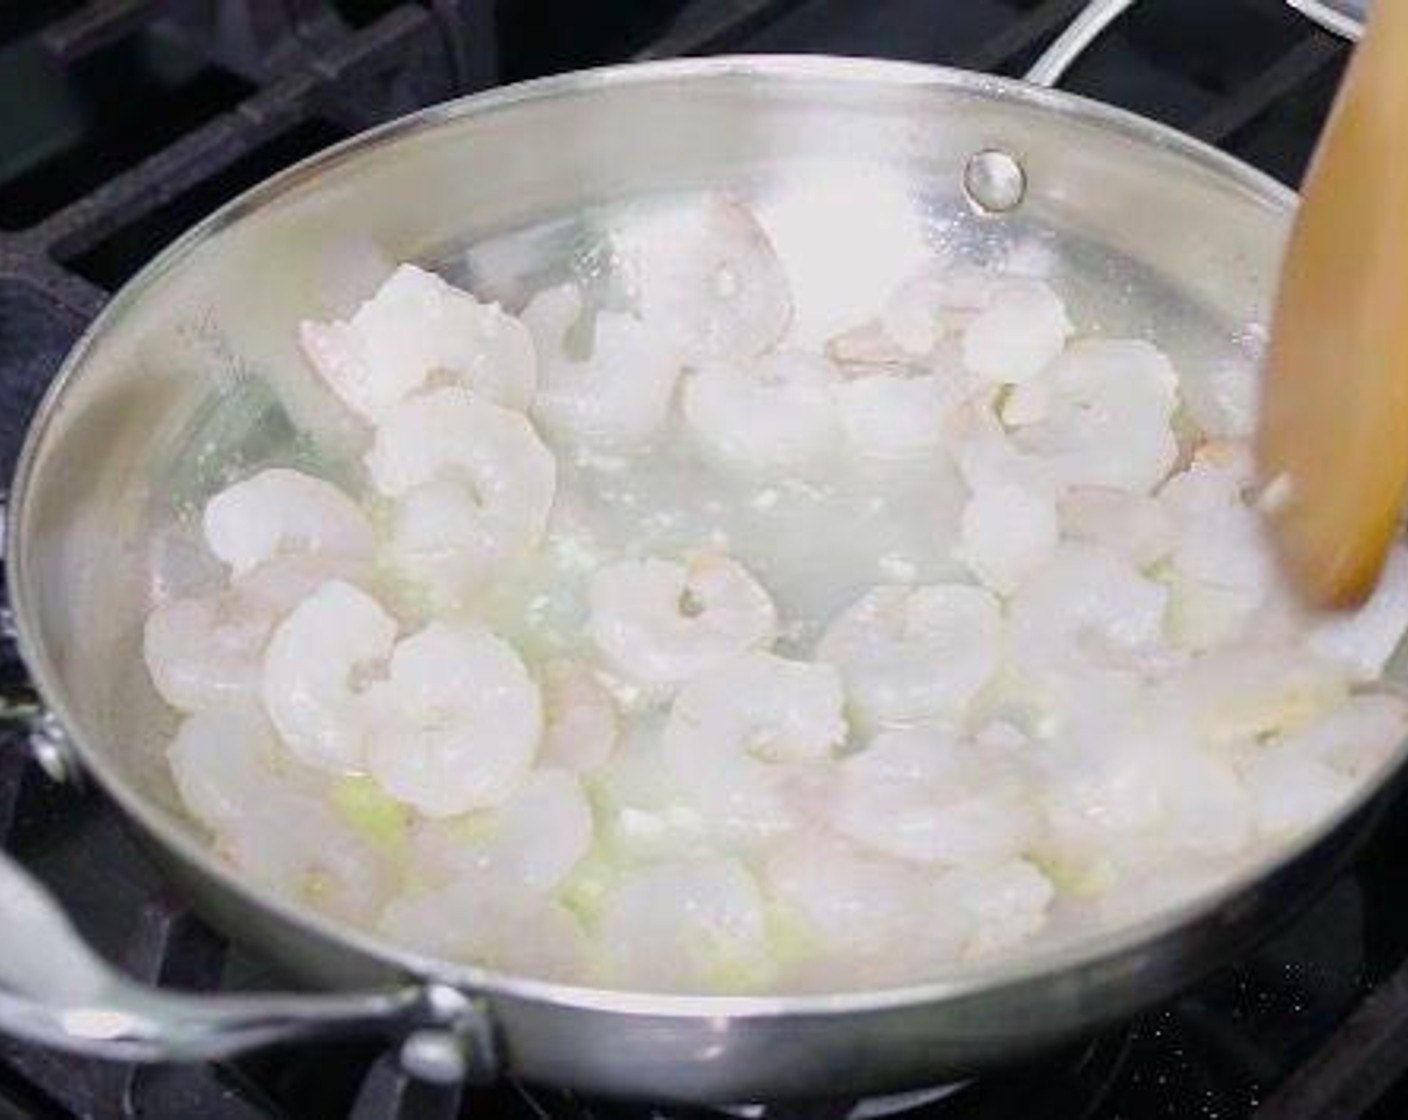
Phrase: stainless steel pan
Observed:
(194, 362)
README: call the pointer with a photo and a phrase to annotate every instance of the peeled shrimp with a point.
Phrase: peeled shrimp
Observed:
(277, 512)
(893, 416)
(690, 926)
(915, 653)
(921, 795)
(661, 622)
(998, 906)
(293, 845)
(206, 652)
(474, 487)
(613, 394)
(1085, 606)
(415, 328)
(310, 681)
(483, 920)
(220, 760)
(707, 274)
(1008, 531)
(1135, 527)
(582, 724)
(738, 732)
(532, 841)
(1109, 419)
(774, 412)
(458, 721)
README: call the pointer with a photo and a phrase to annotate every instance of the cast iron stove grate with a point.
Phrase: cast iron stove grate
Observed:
(122, 121)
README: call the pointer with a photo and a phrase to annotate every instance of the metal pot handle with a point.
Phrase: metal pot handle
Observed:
(56, 991)
(1073, 41)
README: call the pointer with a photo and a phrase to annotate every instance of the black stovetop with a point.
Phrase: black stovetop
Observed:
(122, 121)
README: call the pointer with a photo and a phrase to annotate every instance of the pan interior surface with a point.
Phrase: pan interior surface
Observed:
(192, 377)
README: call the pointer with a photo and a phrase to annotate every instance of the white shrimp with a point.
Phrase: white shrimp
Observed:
(486, 921)
(295, 846)
(690, 926)
(278, 512)
(895, 416)
(661, 622)
(1085, 606)
(1135, 527)
(776, 411)
(1011, 327)
(706, 273)
(922, 795)
(615, 395)
(533, 841)
(221, 760)
(474, 486)
(415, 327)
(458, 722)
(1007, 532)
(1109, 418)
(206, 652)
(310, 682)
(914, 653)
(998, 906)
(581, 722)
(739, 734)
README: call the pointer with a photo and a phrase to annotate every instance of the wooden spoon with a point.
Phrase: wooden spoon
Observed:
(1332, 444)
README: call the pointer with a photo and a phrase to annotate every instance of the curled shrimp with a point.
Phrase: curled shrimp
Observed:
(415, 327)
(661, 622)
(740, 733)
(921, 795)
(777, 411)
(707, 274)
(895, 415)
(310, 682)
(909, 654)
(473, 485)
(616, 395)
(1007, 533)
(692, 925)
(1108, 421)
(278, 512)
(206, 652)
(458, 721)
(221, 762)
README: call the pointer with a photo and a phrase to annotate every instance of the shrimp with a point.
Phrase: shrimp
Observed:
(206, 652)
(1010, 327)
(1086, 606)
(278, 512)
(707, 274)
(909, 654)
(473, 483)
(774, 412)
(1109, 422)
(1007, 533)
(458, 721)
(686, 926)
(533, 841)
(923, 796)
(1135, 527)
(582, 724)
(660, 622)
(221, 762)
(417, 327)
(486, 921)
(310, 682)
(614, 397)
(293, 845)
(998, 906)
(740, 733)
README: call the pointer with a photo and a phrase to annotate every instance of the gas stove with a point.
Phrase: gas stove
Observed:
(123, 121)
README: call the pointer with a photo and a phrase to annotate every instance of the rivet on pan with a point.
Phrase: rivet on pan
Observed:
(994, 181)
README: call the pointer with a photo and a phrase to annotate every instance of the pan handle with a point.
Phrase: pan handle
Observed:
(56, 991)
(1072, 42)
